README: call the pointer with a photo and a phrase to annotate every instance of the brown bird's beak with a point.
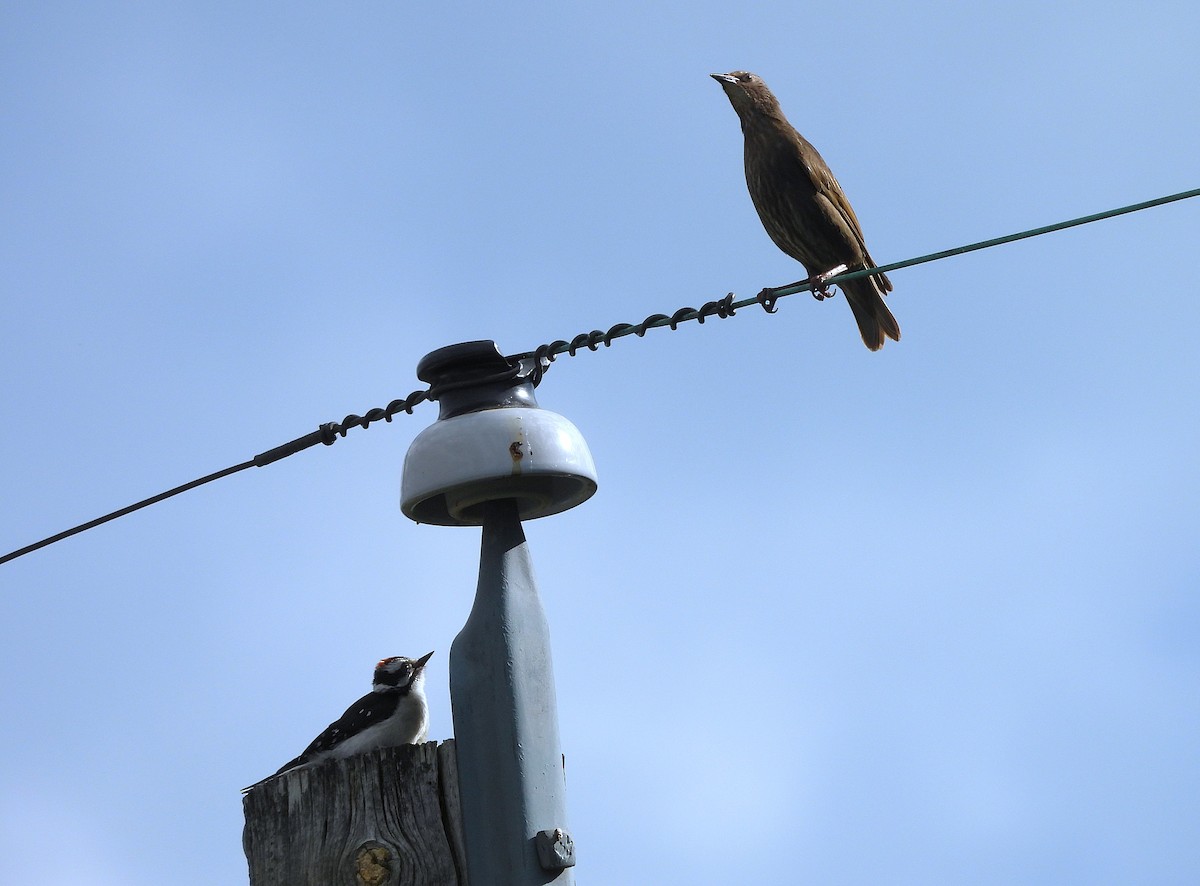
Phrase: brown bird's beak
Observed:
(420, 662)
(724, 78)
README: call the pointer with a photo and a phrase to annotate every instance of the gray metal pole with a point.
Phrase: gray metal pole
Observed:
(506, 720)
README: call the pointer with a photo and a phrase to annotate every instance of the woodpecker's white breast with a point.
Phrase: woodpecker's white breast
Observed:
(408, 724)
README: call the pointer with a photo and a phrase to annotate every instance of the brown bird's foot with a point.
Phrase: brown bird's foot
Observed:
(767, 299)
(816, 282)
(819, 290)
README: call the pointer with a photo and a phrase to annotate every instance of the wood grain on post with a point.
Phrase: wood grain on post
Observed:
(384, 818)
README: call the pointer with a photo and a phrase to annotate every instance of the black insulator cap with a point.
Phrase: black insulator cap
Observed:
(471, 376)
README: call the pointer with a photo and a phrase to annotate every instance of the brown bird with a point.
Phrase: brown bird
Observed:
(803, 208)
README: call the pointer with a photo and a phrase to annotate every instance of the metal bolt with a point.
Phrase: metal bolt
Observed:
(555, 849)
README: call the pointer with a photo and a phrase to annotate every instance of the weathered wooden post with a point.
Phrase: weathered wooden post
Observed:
(492, 459)
(384, 818)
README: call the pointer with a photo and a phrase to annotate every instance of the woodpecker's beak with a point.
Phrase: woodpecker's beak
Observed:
(420, 662)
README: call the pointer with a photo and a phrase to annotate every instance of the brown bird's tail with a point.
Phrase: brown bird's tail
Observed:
(874, 319)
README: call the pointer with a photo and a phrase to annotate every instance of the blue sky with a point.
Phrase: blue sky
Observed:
(923, 616)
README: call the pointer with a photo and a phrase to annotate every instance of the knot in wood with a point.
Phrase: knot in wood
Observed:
(373, 865)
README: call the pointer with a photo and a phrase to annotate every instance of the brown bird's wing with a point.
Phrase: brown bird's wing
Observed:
(838, 210)
(875, 321)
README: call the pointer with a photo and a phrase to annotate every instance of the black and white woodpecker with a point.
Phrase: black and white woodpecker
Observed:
(393, 713)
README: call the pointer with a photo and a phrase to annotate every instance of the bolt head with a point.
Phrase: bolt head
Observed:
(556, 850)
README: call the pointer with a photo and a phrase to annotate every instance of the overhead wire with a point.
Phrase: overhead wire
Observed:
(540, 358)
